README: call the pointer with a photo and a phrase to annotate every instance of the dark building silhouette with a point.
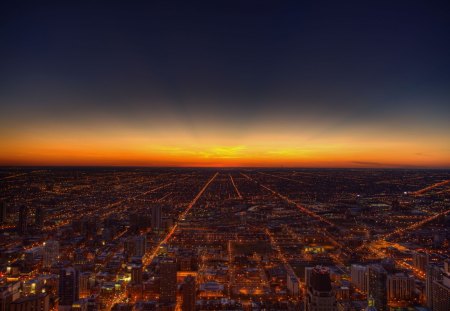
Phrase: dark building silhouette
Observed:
(22, 226)
(320, 295)
(68, 287)
(168, 284)
(376, 286)
(39, 217)
(189, 294)
(156, 217)
(3, 212)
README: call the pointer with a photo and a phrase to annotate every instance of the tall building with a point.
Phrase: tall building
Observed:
(68, 288)
(136, 274)
(39, 217)
(320, 295)
(168, 284)
(39, 302)
(434, 273)
(51, 253)
(400, 287)
(420, 261)
(189, 294)
(140, 247)
(3, 212)
(22, 226)
(376, 286)
(9, 292)
(441, 290)
(84, 284)
(358, 275)
(156, 217)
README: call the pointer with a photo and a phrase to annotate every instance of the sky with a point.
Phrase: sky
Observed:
(225, 83)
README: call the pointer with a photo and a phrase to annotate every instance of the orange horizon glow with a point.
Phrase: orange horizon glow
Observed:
(180, 149)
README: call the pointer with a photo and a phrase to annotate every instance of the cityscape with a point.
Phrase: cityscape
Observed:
(257, 155)
(224, 239)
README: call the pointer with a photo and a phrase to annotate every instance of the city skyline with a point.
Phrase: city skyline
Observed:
(224, 84)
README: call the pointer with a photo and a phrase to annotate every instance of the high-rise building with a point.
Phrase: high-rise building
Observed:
(8, 293)
(376, 286)
(434, 273)
(140, 245)
(320, 295)
(22, 226)
(420, 261)
(358, 275)
(68, 288)
(51, 253)
(168, 284)
(39, 217)
(38, 302)
(136, 274)
(3, 212)
(84, 284)
(441, 296)
(400, 287)
(441, 290)
(156, 217)
(189, 294)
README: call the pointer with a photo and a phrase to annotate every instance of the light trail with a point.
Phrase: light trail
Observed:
(281, 177)
(150, 258)
(426, 189)
(21, 174)
(300, 207)
(235, 187)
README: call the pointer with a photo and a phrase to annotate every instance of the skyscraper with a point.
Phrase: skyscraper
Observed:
(376, 286)
(441, 289)
(319, 291)
(168, 275)
(39, 217)
(22, 226)
(156, 217)
(68, 288)
(3, 212)
(140, 245)
(420, 261)
(359, 277)
(400, 286)
(51, 253)
(136, 274)
(434, 273)
(189, 294)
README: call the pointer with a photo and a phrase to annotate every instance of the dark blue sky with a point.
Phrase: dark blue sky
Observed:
(237, 62)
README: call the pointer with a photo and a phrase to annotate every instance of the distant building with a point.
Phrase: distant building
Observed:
(189, 294)
(140, 246)
(168, 284)
(420, 261)
(319, 292)
(39, 217)
(156, 217)
(376, 286)
(3, 212)
(51, 253)
(22, 226)
(136, 274)
(358, 275)
(68, 288)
